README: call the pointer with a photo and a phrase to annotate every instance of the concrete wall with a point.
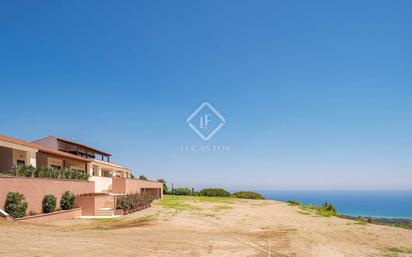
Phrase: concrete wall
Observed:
(47, 217)
(127, 186)
(34, 189)
(91, 204)
(6, 159)
(102, 184)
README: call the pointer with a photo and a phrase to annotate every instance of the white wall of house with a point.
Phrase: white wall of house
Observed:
(102, 184)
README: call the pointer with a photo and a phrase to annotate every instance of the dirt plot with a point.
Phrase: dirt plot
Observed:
(198, 226)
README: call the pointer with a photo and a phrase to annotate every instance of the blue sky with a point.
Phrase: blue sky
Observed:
(315, 95)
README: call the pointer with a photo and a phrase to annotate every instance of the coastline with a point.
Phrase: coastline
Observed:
(186, 226)
(366, 204)
(395, 222)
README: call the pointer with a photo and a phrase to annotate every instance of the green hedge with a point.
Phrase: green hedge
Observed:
(133, 202)
(218, 192)
(16, 205)
(49, 203)
(44, 172)
(248, 195)
(67, 201)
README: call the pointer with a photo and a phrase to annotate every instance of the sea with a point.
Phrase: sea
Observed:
(380, 204)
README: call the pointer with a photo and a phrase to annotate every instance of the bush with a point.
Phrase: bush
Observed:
(44, 172)
(327, 210)
(214, 192)
(133, 202)
(67, 201)
(293, 203)
(16, 205)
(122, 203)
(49, 203)
(181, 191)
(248, 195)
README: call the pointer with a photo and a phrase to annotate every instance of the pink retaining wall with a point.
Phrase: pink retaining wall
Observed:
(34, 189)
(91, 204)
(47, 217)
(127, 186)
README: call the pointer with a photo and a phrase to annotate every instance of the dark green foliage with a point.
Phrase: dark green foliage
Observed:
(49, 203)
(327, 210)
(165, 189)
(134, 202)
(122, 203)
(181, 191)
(131, 176)
(395, 222)
(67, 201)
(218, 192)
(293, 203)
(24, 171)
(16, 205)
(248, 195)
(142, 177)
(44, 172)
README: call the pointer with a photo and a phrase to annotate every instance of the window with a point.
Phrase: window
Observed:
(56, 167)
(21, 163)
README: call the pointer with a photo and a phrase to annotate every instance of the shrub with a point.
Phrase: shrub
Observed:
(23, 171)
(248, 195)
(293, 203)
(49, 203)
(122, 203)
(133, 202)
(181, 191)
(410, 224)
(16, 205)
(44, 172)
(67, 201)
(214, 192)
(327, 210)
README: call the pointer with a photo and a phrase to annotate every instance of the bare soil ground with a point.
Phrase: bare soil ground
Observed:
(207, 227)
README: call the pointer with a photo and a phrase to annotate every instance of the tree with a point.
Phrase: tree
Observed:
(142, 177)
(165, 188)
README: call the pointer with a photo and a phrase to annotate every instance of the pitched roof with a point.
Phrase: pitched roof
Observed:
(18, 142)
(83, 146)
(41, 148)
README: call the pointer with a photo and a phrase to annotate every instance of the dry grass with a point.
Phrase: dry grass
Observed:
(186, 227)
